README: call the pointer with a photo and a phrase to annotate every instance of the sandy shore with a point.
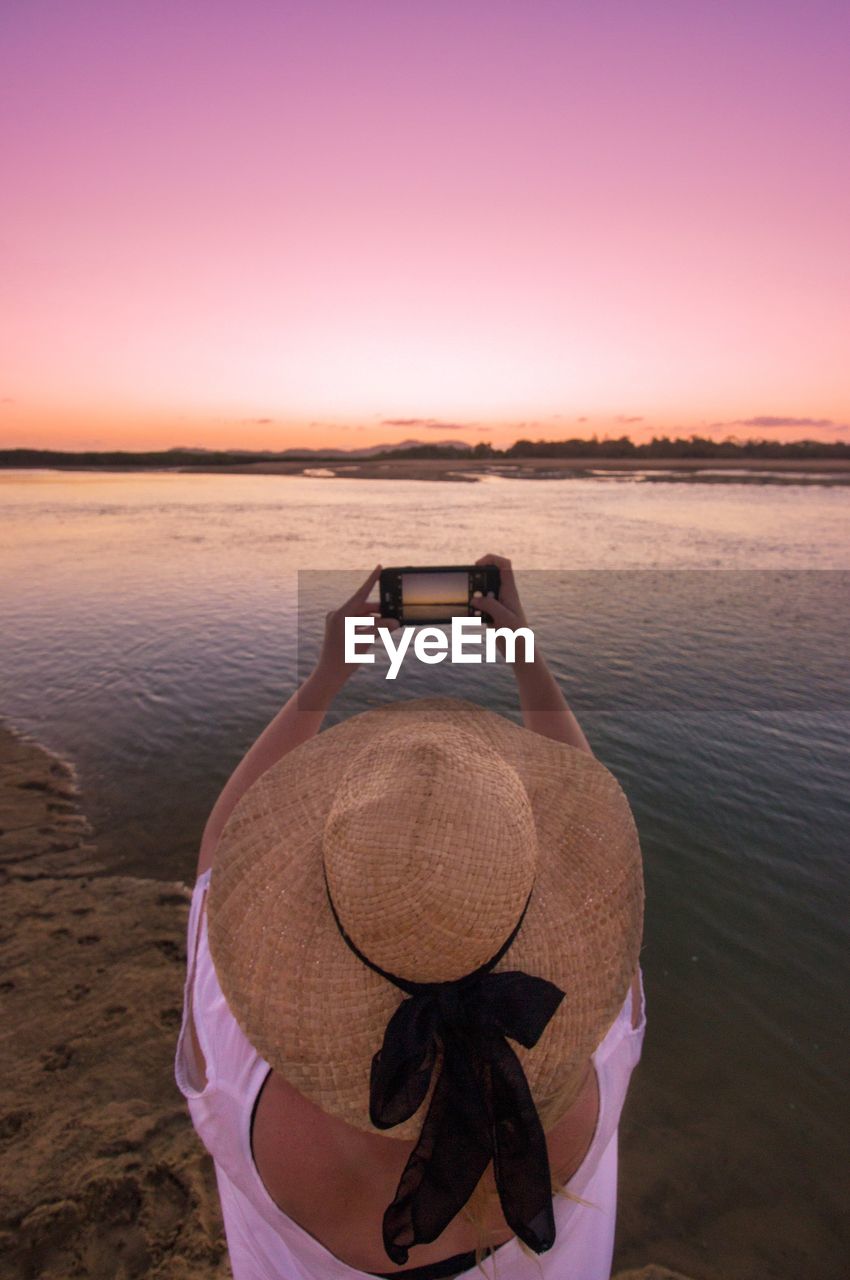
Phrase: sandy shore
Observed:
(824, 471)
(103, 1174)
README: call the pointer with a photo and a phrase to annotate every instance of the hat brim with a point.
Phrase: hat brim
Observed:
(316, 1013)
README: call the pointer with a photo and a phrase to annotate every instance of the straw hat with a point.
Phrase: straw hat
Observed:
(426, 826)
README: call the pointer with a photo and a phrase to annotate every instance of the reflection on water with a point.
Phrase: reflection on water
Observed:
(152, 628)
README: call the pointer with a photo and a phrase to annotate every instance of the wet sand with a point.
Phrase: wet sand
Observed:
(103, 1174)
(822, 471)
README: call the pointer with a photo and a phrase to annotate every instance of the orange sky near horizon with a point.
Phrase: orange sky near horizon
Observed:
(273, 226)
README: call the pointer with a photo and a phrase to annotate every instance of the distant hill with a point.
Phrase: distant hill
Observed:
(369, 452)
(268, 454)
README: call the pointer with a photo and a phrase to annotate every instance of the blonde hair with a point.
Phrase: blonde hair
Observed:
(481, 1205)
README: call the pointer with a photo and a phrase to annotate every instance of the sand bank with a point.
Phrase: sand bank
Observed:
(824, 471)
(103, 1174)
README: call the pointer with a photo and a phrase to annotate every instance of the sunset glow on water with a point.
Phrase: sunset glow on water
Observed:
(159, 622)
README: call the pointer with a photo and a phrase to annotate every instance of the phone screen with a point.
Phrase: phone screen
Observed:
(435, 595)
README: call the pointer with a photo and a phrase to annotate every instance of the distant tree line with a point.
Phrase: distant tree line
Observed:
(622, 447)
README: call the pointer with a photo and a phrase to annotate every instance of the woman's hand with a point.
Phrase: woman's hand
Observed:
(331, 664)
(507, 611)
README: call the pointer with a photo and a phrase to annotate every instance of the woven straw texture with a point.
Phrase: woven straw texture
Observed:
(432, 821)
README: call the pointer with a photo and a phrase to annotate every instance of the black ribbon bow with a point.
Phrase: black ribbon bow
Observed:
(481, 1108)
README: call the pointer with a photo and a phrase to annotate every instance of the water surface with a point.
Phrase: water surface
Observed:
(151, 629)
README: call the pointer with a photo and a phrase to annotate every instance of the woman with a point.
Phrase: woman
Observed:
(413, 1000)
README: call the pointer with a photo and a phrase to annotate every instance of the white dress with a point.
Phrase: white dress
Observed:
(265, 1244)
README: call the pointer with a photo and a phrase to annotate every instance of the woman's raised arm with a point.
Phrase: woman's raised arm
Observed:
(299, 719)
(544, 708)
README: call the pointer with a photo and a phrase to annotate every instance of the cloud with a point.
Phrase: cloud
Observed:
(581, 419)
(430, 424)
(7, 400)
(768, 421)
(256, 422)
(621, 417)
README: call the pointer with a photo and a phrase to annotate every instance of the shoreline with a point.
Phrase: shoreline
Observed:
(104, 1174)
(823, 472)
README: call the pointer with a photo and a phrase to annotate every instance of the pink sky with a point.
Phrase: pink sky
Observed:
(269, 224)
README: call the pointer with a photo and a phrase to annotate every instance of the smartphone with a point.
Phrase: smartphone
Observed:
(437, 593)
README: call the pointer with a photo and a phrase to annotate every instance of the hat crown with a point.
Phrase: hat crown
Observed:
(430, 852)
